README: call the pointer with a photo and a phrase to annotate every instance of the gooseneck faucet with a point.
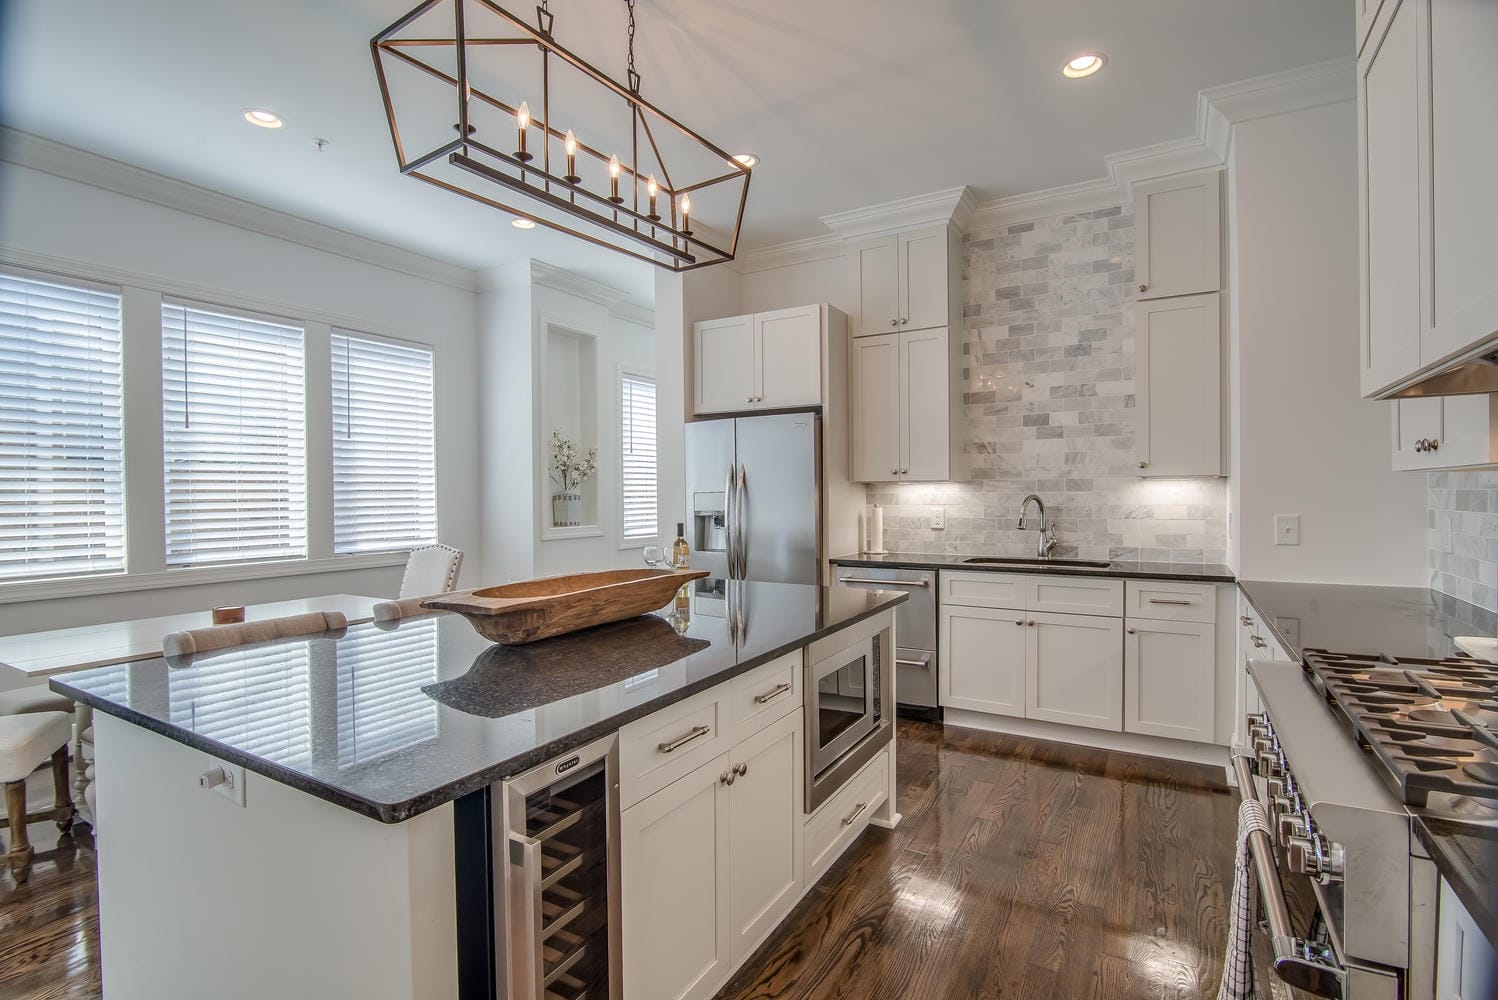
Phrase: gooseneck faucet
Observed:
(1047, 538)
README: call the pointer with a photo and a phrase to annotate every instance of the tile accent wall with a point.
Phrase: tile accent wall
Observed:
(1048, 387)
(1462, 524)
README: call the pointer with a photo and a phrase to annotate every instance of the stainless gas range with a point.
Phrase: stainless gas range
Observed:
(1348, 749)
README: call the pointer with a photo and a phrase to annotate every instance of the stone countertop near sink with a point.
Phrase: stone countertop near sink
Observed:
(390, 721)
(1347, 618)
(1467, 856)
(1186, 572)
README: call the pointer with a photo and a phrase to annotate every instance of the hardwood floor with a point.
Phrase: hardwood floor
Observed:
(1021, 870)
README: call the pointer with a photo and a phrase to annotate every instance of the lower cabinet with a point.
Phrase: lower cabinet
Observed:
(1466, 964)
(1169, 679)
(984, 654)
(710, 864)
(1074, 670)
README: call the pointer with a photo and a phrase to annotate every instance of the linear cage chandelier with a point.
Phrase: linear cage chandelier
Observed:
(485, 105)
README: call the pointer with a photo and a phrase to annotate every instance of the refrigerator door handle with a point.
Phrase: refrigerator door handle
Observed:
(738, 507)
(731, 520)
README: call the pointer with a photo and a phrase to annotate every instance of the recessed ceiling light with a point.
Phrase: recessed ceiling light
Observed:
(747, 159)
(1085, 64)
(522, 224)
(263, 118)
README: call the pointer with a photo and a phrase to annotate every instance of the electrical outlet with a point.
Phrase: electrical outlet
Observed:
(224, 779)
(938, 519)
(1287, 529)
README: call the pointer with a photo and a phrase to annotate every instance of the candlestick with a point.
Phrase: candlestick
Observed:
(570, 145)
(651, 188)
(614, 180)
(522, 124)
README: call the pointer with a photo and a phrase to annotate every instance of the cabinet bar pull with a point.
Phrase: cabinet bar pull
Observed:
(774, 692)
(682, 740)
(1166, 600)
(857, 811)
(884, 583)
(909, 663)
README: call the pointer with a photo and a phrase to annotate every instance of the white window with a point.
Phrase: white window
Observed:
(62, 503)
(234, 437)
(384, 445)
(637, 468)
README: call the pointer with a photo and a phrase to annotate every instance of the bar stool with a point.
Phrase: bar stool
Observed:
(26, 741)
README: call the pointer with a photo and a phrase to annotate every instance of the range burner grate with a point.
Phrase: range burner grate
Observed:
(1432, 723)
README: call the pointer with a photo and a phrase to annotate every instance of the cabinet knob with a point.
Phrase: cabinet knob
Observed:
(748, 399)
(1130, 631)
(1030, 623)
(904, 472)
(1144, 465)
(1019, 621)
(903, 321)
(726, 778)
(741, 769)
(894, 322)
(1144, 288)
(894, 472)
(1433, 445)
(1246, 620)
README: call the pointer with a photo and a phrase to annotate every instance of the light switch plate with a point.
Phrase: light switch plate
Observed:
(1287, 529)
(938, 519)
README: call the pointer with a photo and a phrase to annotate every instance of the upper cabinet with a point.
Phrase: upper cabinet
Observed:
(1178, 326)
(762, 361)
(1429, 291)
(906, 406)
(907, 280)
(1445, 432)
(1178, 235)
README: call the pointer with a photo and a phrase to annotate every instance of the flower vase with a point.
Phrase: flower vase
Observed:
(566, 510)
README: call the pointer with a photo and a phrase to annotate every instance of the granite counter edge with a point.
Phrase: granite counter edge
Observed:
(1464, 881)
(1122, 571)
(415, 805)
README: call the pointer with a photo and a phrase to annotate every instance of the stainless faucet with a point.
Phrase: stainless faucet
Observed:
(1047, 539)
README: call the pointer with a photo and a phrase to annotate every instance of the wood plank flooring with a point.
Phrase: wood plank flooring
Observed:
(1021, 870)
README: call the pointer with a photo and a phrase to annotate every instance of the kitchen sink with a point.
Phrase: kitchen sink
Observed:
(1007, 561)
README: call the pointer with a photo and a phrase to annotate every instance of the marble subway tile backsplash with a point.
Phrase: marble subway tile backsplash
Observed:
(1048, 387)
(1462, 526)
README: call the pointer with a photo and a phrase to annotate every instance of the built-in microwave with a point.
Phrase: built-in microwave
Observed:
(849, 708)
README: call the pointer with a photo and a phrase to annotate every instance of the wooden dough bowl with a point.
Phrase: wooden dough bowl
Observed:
(523, 612)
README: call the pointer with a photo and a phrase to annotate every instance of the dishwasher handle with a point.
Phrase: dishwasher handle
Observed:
(924, 582)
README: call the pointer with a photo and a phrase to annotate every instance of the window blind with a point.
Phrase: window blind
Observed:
(381, 708)
(384, 445)
(62, 503)
(258, 699)
(637, 466)
(233, 436)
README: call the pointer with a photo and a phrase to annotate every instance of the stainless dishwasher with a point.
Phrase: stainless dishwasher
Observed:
(915, 633)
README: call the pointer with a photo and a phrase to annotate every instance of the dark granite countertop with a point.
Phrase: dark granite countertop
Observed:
(1197, 573)
(392, 722)
(1467, 856)
(1346, 618)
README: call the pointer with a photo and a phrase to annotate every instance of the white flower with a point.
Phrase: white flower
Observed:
(570, 466)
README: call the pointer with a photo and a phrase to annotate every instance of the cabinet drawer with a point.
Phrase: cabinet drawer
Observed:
(764, 695)
(1172, 602)
(658, 749)
(984, 590)
(844, 816)
(1074, 595)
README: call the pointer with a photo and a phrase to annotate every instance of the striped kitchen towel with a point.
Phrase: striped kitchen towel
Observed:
(1238, 964)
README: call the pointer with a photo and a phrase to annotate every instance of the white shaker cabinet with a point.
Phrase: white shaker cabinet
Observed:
(1367, 14)
(762, 361)
(764, 809)
(1178, 235)
(1075, 670)
(905, 416)
(1426, 80)
(1445, 432)
(724, 375)
(1178, 376)
(1170, 678)
(984, 657)
(1466, 964)
(906, 280)
(675, 914)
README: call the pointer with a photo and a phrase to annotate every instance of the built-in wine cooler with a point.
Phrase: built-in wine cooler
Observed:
(538, 882)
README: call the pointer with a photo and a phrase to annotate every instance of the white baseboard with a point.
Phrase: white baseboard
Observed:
(1150, 746)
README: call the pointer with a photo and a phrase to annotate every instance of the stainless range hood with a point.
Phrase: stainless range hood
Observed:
(1473, 376)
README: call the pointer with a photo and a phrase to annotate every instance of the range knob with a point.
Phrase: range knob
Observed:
(1291, 826)
(1315, 856)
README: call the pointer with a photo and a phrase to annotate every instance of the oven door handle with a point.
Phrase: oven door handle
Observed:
(1294, 959)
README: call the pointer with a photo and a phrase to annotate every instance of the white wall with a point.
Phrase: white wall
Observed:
(73, 228)
(1305, 442)
(826, 279)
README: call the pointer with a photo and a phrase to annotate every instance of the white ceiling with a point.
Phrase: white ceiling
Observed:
(848, 103)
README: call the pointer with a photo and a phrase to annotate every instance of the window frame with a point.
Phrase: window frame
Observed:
(643, 373)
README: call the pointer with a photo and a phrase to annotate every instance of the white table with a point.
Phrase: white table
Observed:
(40, 654)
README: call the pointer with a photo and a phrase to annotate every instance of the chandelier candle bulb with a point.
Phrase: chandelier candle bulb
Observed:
(522, 125)
(614, 180)
(686, 211)
(652, 189)
(570, 145)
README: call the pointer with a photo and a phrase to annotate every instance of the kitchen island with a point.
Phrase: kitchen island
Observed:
(323, 858)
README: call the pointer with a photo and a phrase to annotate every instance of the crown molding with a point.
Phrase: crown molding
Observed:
(25, 149)
(1064, 200)
(954, 205)
(562, 280)
(1280, 93)
(804, 251)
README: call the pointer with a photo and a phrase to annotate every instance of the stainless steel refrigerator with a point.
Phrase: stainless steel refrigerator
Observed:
(754, 497)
